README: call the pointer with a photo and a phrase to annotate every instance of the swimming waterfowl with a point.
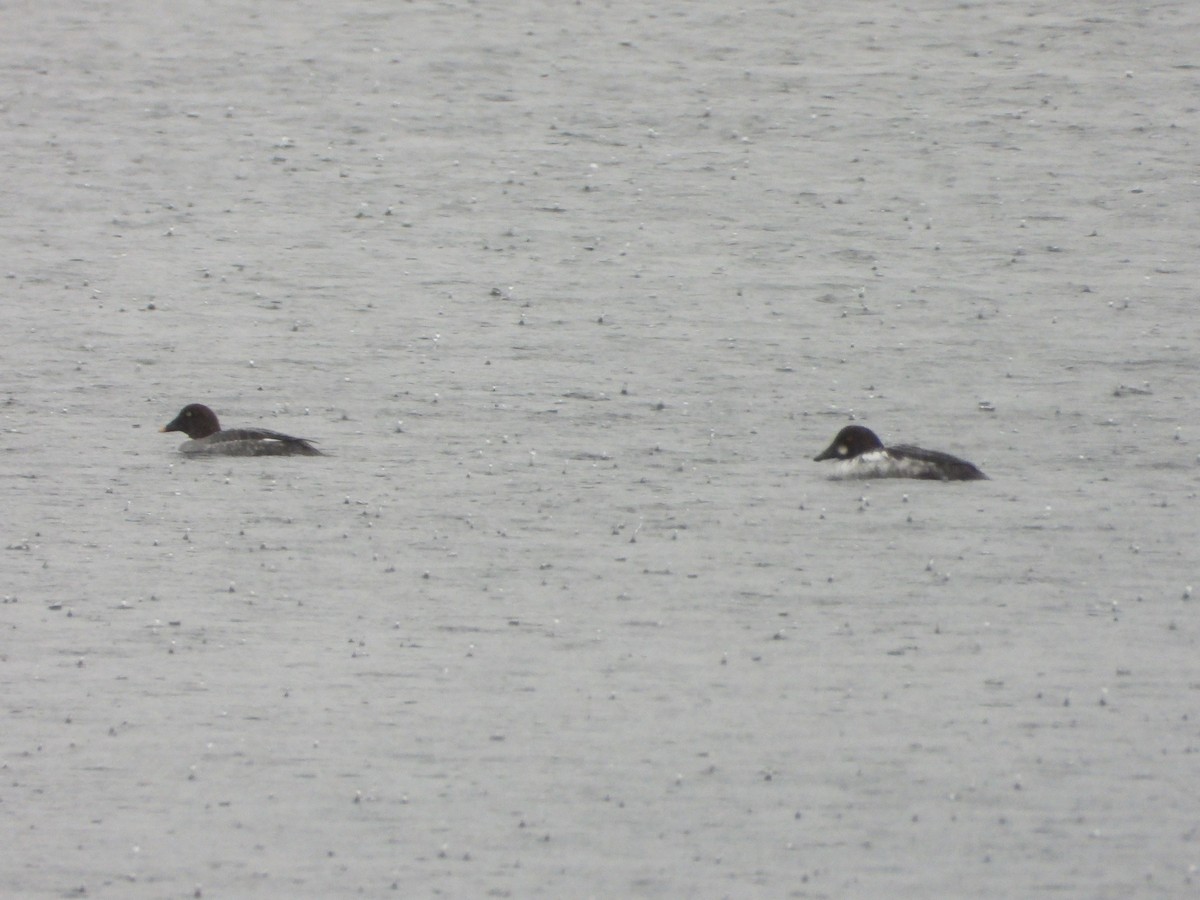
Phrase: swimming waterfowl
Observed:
(200, 424)
(861, 454)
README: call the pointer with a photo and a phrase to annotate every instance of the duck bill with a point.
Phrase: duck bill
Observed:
(829, 452)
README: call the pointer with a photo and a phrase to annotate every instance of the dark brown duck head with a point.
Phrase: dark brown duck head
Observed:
(851, 441)
(195, 420)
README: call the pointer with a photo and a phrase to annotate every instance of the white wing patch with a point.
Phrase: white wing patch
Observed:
(878, 464)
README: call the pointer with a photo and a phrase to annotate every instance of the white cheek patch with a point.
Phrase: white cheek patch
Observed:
(843, 450)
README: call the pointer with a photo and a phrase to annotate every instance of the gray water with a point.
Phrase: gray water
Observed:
(572, 295)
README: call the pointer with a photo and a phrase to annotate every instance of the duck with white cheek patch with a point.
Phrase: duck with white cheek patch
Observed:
(859, 453)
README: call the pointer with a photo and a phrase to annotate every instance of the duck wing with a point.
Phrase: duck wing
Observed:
(936, 465)
(250, 442)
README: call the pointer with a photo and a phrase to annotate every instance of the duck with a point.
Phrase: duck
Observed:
(207, 438)
(861, 454)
